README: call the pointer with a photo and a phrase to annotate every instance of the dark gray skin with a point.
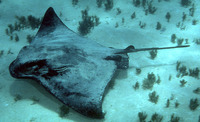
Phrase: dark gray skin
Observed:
(74, 69)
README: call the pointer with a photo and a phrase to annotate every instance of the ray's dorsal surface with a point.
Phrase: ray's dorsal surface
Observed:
(74, 69)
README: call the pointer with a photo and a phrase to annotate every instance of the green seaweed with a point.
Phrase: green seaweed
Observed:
(153, 54)
(16, 38)
(192, 10)
(1, 52)
(174, 118)
(33, 119)
(182, 71)
(142, 25)
(170, 77)
(184, 17)
(172, 97)
(158, 80)
(11, 28)
(193, 104)
(136, 86)
(7, 32)
(22, 22)
(27, 22)
(108, 5)
(156, 118)
(178, 63)
(136, 3)
(116, 25)
(11, 37)
(123, 20)
(180, 41)
(158, 26)
(99, 3)
(173, 38)
(30, 38)
(194, 72)
(133, 15)
(168, 103)
(151, 9)
(144, 3)
(197, 41)
(185, 3)
(142, 116)
(34, 22)
(153, 97)
(119, 11)
(197, 90)
(87, 23)
(168, 16)
(177, 104)
(74, 2)
(194, 22)
(138, 71)
(149, 81)
(183, 82)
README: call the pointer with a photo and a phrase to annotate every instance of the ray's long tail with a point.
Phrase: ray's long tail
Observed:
(131, 49)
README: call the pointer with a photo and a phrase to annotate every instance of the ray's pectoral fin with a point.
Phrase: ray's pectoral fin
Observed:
(50, 22)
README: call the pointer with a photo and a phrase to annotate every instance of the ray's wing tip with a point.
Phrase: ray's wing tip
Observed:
(50, 9)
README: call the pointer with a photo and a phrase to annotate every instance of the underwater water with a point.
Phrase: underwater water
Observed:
(160, 85)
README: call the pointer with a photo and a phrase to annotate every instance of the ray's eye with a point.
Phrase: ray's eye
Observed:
(33, 67)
